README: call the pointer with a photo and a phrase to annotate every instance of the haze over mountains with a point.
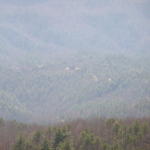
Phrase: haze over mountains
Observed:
(69, 59)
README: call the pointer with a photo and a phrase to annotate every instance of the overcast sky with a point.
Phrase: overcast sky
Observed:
(109, 24)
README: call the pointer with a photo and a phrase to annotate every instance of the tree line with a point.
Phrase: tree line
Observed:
(94, 134)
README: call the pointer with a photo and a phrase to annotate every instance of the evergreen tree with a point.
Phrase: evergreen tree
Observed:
(45, 145)
(20, 144)
(37, 138)
(89, 141)
(60, 135)
(66, 145)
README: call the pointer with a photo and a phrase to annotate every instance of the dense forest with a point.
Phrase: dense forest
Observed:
(81, 85)
(93, 134)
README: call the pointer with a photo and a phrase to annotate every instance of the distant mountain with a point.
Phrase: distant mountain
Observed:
(80, 85)
(11, 108)
(69, 59)
(67, 25)
(22, 2)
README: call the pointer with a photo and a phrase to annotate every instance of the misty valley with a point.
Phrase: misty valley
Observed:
(67, 104)
(74, 75)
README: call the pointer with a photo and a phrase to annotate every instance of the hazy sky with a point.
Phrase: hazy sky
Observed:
(111, 24)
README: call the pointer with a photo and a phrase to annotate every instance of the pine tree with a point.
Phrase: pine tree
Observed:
(60, 136)
(67, 145)
(20, 144)
(45, 145)
(37, 138)
(89, 141)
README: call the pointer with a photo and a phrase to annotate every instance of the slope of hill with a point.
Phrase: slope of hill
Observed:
(80, 86)
(27, 26)
(74, 59)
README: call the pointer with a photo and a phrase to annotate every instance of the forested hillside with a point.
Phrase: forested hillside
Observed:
(68, 67)
(68, 59)
(80, 85)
